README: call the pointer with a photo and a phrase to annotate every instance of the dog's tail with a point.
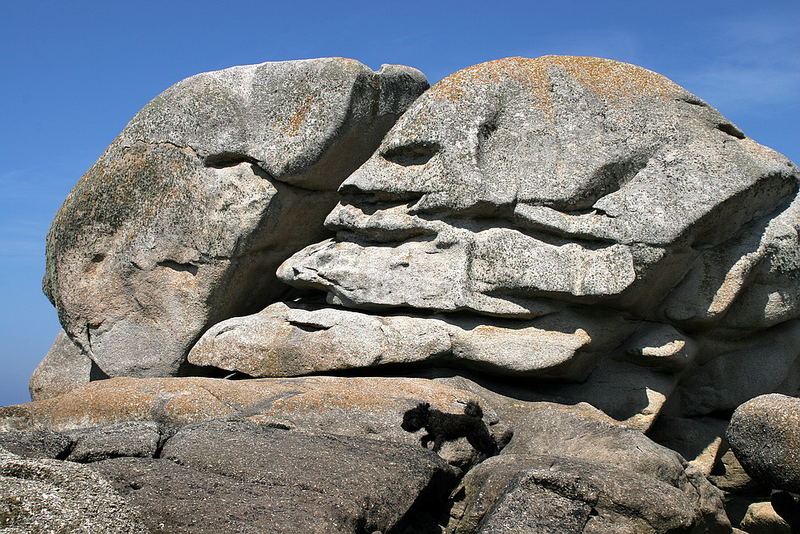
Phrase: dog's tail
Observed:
(473, 409)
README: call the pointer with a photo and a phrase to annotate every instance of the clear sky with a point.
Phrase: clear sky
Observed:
(73, 74)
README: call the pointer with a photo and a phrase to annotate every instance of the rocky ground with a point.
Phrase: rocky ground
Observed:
(272, 263)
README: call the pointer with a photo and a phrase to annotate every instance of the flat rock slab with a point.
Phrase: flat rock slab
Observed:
(564, 495)
(37, 443)
(131, 438)
(764, 434)
(179, 401)
(97, 414)
(293, 339)
(44, 495)
(236, 476)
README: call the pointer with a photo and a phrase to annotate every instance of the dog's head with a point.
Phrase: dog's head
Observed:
(416, 418)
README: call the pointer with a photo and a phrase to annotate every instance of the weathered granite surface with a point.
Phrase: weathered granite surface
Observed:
(764, 433)
(132, 417)
(509, 493)
(516, 184)
(184, 218)
(64, 367)
(239, 476)
(44, 495)
(293, 339)
(580, 245)
(559, 218)
(333, 446)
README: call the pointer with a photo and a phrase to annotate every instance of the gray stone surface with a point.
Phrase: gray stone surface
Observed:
(184, 218)
(587, 433)
(133, 439)
(700, 440)
(572, 468)
(729, 476)
(562, 495)
(764, 362)
(493, 192)
(37, 443)
(44, 496)
(764, 434)
(131, 417)
(236, 476)
(538, 189)
(64, 367)
(291, 339)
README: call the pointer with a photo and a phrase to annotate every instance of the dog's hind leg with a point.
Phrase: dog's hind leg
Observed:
(483, 441)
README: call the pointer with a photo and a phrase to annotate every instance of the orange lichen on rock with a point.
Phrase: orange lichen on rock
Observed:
(179, 401)
(609, 80)
(529, 71)
(613, 80)
(299, 116)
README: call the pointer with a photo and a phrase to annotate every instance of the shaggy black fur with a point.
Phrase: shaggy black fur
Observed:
(441, 427)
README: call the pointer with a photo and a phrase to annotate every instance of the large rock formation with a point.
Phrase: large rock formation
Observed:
(566, 495)
(580, 245)
(517, 185)
(574, 469)
(183, 220)
(577, 214)
(334, 448)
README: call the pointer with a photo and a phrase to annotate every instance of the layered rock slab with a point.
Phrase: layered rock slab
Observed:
(249, 478)
(139, 439)
(36, 443)
(573, 469)
(96, 418)
(533, 189)
(308, 402)
(291, 339)
(560, 178)
(184, 218)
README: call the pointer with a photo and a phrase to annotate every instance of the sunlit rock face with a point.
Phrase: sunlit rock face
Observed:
(575, 195)
(183, 220)
(518, 184)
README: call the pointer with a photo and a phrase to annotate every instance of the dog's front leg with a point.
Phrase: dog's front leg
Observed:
(424, 440)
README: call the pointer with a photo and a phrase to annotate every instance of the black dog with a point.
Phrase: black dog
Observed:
(441, 427)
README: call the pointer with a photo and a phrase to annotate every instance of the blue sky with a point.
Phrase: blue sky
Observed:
(74, 73)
